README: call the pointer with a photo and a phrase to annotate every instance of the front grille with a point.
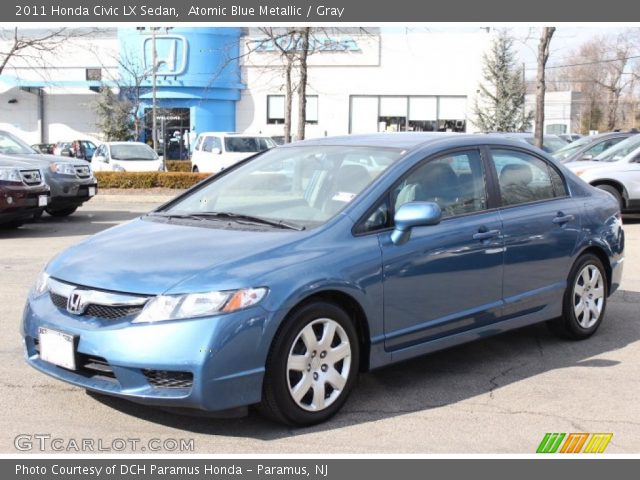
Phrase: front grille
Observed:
(31, 177)
(82, 171)
(98, 311)
(102, 311)
(167, 379)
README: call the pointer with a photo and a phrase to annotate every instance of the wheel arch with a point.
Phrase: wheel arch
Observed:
(615, 184)
(602, 255)
(352, 307)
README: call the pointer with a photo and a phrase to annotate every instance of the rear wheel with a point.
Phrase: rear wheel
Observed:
(615, 192)
(585, 300)
(312, 365)
(61, 212)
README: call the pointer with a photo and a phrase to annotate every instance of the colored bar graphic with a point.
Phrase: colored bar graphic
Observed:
(574, 442)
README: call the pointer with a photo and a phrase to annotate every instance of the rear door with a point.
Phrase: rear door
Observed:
(541, 224)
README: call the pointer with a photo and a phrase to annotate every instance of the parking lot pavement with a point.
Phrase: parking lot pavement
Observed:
(499, 395)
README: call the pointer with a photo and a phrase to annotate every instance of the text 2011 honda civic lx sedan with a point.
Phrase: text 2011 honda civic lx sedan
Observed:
(277, 281)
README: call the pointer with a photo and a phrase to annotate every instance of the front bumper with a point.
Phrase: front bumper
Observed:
(70, 191)
(223, 356)
(23, 203)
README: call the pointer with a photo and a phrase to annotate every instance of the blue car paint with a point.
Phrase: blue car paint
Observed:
(410, 304)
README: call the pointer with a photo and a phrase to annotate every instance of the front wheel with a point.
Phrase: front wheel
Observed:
(585, 300)
(61, 212)
(195, 170)
(312, 365)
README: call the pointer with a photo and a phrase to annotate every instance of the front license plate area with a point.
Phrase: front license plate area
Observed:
(57, 347)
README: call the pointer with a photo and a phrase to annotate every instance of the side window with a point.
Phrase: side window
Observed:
(456, 182)
(524, 178)
(199, 143)
(210, 143)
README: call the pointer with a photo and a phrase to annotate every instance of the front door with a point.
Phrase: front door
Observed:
(448, 277)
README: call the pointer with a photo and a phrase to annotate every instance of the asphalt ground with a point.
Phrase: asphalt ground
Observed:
(499, 395)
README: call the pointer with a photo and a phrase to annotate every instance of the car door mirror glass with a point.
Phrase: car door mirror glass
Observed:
(414, 214)
(588, 156)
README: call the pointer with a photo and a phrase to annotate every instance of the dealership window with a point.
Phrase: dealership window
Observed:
(419, 113)
(275, 109)
(452, 112)
(393, 114)
(312, 109)
(423, 114)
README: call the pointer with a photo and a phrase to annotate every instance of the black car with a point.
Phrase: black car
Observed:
(23, 192)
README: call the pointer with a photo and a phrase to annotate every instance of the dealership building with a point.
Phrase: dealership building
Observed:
(232, 79)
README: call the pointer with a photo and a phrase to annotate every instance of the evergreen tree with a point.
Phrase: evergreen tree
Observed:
(500, 102)
(114, 116)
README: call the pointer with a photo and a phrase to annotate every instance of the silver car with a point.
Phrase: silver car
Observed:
(615, 172)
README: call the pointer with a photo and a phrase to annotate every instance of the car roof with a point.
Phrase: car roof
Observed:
(125, 143)
(235, 134)
(412, 140)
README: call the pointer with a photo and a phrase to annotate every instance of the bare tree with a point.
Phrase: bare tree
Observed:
(543, 56)
(32, 47)
(302, 85)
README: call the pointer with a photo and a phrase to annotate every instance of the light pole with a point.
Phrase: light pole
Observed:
(154, 71)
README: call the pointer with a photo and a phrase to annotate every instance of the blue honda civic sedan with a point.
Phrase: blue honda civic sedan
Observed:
(277, 281)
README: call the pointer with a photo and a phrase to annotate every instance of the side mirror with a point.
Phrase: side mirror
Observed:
(587, 157)
(414, 214)
(216, 151)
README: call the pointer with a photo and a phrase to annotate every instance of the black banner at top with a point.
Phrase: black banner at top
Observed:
(314, 11)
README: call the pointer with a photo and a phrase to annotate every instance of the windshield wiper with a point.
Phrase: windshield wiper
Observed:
(235, 217)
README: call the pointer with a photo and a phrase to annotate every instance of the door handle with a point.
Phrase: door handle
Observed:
(486, 235)
(561, 219)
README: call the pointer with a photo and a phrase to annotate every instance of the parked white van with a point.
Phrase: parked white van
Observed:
(125, 157)
(215, 151)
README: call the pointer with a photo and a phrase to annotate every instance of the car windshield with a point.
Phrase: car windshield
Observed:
(573, 147)
(248, 144)
(619, 151)
(12, 145)
(132, 152)
(302, 185)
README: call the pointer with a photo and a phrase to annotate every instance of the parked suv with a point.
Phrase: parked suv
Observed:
(23, 192)
(215, 151)
(71, 180)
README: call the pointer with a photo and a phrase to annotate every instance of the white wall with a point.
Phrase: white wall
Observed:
(409, 64)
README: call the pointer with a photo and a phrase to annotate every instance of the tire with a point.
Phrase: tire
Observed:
(195, 169)
(61, 212)
(578, 323)
(615, 192)
(323, 372)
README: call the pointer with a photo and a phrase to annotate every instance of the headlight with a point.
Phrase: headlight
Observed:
(42, 285)
(10, 174)
(175, 307)
(62, 168)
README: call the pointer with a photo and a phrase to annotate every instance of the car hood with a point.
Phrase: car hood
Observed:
(42, 159)
(588, 165)
(151, 257)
